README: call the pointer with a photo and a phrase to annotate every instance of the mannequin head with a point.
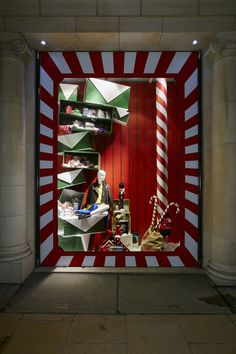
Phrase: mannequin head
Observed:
(101, 176)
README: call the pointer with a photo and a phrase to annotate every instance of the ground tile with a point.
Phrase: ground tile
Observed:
(30, 337)
(97, 329)
(213, 348)
(168, 294)
(47, 317)
(8, 322)
(150, 318)
(155, 337)
(66, 293)
(6, 293)
(95, 349)
(208, 328)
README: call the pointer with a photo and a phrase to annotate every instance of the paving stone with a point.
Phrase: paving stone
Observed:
(168, 294)
(213, 348)
(37, 338)
(66, 293)
(95, 349)
(8, 322)
(155, 337)
(6, 293)
(47, 317)
(230, 294)
(208, 329)
(97, 329)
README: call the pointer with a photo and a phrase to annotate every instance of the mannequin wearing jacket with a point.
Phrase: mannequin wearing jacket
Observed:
(99, 192)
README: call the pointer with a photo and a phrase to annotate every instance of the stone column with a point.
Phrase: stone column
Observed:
(222, 266)
(16, 260)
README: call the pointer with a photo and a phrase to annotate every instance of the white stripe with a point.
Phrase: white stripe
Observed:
(191, 245)
(64, 261)
(46, 131)
(162, 124)
(45, 81)
(191, 83)
(161, 138)
(191, 180)
(108, 62)
(178, 62)
(191, 164)
(162, 198)
(192, 197)
(46, 164)
(60, 62)
(88, 261)
(161, 94)
(110, 261)
(161, 153)
(151, 63)
(46, 110)
(191, 149)
(46, 247)
(175, 261)
(191, 217)
(46, 148)
(161, 109)
(162, 81)
(151, 261)
(191, 111)
(129, 62)
(46, 218)
(191, 132)
(85, 62)
(43, 181)
(162, 183)
(162, 168)
(44, 198)
(130, 261)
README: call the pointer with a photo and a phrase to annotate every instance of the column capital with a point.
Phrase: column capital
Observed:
(224, 45)
(14, 47)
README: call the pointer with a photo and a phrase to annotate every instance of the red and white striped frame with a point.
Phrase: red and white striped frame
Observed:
(183, 67)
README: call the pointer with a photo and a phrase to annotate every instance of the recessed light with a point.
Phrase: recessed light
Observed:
(194, 42)
(43, 42)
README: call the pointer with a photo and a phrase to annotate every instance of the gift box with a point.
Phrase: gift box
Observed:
(76, 141)
(68, 92)
(70, 178)
(111, 94)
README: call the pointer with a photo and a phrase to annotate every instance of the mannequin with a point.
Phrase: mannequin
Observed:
(99, 192)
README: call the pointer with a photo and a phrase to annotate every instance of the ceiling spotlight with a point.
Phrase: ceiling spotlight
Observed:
(43, 42)
(194, 42)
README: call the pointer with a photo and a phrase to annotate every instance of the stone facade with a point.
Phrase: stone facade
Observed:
(117, 25)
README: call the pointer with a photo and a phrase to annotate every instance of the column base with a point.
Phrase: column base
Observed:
(222, 275)
(15, 272)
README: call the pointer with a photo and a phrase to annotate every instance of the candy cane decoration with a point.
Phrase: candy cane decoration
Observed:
(166, 210)
(153, 198)
(161, 144)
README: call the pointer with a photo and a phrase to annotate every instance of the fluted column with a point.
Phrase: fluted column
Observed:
(222, 266)
(15, 254)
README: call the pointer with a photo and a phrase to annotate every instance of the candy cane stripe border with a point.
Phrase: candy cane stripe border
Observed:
(54, 66)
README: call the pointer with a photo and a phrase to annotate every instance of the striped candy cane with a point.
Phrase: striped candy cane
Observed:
(161, 144)
(153, 198)
(166, 210)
